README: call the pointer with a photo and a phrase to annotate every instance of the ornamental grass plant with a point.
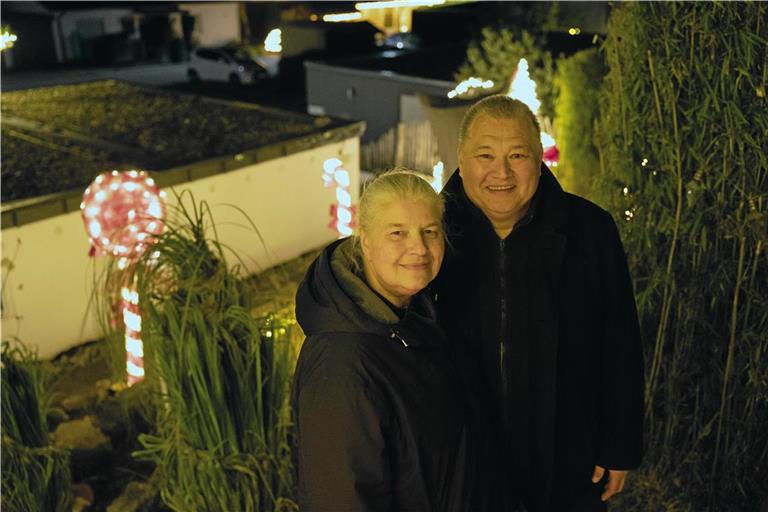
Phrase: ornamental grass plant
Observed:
(219, 377)
(682, 146)
(36, 475)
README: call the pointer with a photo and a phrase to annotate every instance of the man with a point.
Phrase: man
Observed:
(537, 298)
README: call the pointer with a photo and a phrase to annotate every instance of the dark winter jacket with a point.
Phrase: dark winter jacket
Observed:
(383, 423)
(548, 318)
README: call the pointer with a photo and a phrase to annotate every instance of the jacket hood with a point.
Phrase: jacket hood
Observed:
(332, 297)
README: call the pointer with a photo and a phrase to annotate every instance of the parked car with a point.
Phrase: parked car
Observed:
(224, 64)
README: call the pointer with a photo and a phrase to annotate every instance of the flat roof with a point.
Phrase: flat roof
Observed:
(55, 140)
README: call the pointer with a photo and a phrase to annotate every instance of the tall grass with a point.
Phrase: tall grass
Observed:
(682, 135)
(220, 375)
(36, 475)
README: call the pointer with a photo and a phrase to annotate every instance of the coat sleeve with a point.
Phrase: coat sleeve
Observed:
(621, 381)
(343, 460)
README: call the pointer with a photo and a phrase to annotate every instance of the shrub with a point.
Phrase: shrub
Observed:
(682, 149)
(36, 475)
(577, 83)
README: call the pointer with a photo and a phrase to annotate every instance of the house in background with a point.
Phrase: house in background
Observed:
(215, 23)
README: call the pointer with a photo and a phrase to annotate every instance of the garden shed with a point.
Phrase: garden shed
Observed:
(237, 157)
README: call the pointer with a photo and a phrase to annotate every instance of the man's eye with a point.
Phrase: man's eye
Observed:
(431, 233)
(395, 233)
(517, 156)
(485, 156)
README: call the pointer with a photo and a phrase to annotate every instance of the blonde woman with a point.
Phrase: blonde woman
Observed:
(384, 421)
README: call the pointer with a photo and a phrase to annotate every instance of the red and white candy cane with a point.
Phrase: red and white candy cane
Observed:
(123, 212)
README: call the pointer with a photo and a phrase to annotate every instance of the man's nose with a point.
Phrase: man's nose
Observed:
(504, 168)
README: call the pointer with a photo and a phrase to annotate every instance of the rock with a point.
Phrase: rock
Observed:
(78, 402)
(136, 497)
(82, 434)
(84, 497)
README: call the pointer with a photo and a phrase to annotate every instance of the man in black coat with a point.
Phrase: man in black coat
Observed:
(536, 296)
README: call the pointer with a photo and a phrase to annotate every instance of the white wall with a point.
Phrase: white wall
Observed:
(46, 294)
(216, 23)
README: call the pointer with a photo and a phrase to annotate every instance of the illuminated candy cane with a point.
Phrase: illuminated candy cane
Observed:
(123, 212)
(342, 211)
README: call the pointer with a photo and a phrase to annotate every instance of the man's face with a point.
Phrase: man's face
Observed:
(500, 164)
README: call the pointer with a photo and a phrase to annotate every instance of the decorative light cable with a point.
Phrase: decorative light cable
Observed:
(123, 212)
(342, 211)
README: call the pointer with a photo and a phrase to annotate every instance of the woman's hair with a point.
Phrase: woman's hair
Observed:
(399, 183)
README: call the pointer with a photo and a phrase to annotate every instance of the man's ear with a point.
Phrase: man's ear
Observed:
(461, 163)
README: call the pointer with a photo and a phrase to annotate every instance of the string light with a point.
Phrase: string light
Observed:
(362, 6)
(437, 176)
(342, 212)
(7, 40)
(470, 83)
(345, 16)
(274, 41)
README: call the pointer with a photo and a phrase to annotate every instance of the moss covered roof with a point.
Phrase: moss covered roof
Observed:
(59, 138)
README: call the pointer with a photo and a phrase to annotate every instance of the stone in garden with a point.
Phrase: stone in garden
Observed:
(82, 434)
(136, 497)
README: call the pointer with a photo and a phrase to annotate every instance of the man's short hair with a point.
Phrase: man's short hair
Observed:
(498, 106)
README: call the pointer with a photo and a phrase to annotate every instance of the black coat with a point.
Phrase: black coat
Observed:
(547, 317)
(383, 421)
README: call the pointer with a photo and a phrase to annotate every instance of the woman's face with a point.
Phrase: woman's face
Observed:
(403, 249)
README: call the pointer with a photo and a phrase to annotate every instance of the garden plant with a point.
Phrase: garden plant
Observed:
(36, 474)
(218, 375)
(684, 120)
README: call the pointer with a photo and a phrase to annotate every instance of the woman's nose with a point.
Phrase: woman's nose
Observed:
(417, 244)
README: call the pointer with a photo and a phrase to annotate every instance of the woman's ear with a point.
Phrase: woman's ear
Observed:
(365, 246)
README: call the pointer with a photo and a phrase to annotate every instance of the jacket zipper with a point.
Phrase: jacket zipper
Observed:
(394, 334)
(503, 319)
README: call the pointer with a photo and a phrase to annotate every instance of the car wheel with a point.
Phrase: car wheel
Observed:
(193, 76)
(234, 79)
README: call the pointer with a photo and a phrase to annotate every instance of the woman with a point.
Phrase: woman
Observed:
(383, 420)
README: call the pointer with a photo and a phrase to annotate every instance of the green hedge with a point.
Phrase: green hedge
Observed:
(577, 82)
(682, 136)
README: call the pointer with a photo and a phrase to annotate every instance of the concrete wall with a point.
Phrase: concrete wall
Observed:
(216, 23)
(48, 276)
